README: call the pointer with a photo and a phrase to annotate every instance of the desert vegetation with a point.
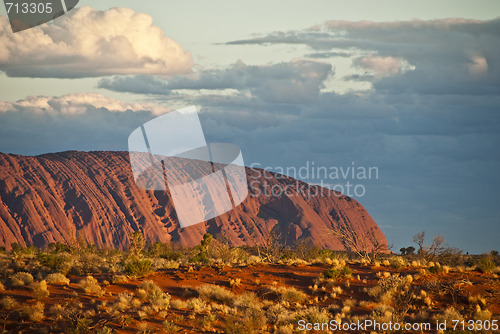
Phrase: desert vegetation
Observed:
(157, 288)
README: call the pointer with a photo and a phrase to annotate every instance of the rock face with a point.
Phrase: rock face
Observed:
(69, 195)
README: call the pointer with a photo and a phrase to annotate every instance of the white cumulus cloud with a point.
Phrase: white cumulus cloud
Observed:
(89, 43)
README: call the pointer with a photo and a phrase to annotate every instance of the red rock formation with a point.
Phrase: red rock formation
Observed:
(59, 196)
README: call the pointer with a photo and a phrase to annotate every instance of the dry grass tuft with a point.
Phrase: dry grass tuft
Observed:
(40, 289)
(90, 286)
(21, 279)
(57, 279)
(216, 293)
(148, 290)
(34, 312)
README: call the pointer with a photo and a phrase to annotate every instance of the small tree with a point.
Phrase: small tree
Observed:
(271, 247)
(437, 249)
(407, 250)
(202, 248)
(410, 250)
(366, 246)
(419, 239)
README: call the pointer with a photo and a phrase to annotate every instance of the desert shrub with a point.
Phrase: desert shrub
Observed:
(21, 279)
(220, 250)
(247, 300)
(178, 304)
(157, 249)
(234, 282)
(305, 249)
(196, 304)
(448, 316)
(119, 279)
(138, 268)
(216, 293)
(56, 311)
(438, 250)
(254, 259)
(145, 328)
(336, 273)
(90, 286)
(34, 312)
(207, 322)
(155, 295)
(123, 302)
(40, 289)
(88, 262)
(436, 269)
(170, 327)
(164, 251)
(60, 262)
(202, 249)
(486, 265)
(58, 247)
(105, 330)
(7, 303)
(314, 315)
(5, 265)
(286, 294)
(137, 243)
(285, 329)
(383, 313)
(252, 321)
(165, 264)
(396, 292)
(72, 318)
(57, 278)
(398, 262)
(81, 326)
(277, 314)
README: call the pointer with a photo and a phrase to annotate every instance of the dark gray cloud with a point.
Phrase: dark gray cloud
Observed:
(137, 84)
(324, 55)
(297, 81)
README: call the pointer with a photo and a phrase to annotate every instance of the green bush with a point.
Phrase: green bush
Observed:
(202, 256)
(337, 273)
(138, 268)
(436, 270)
(486, 265)
(60, 262)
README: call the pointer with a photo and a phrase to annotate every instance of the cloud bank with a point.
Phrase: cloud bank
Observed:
(91, 43)
(297, 81)
(446, 56)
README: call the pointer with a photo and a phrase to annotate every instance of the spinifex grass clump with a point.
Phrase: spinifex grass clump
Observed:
(336, 273)
(90, 286)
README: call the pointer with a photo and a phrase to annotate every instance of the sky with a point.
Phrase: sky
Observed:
(411, 89)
